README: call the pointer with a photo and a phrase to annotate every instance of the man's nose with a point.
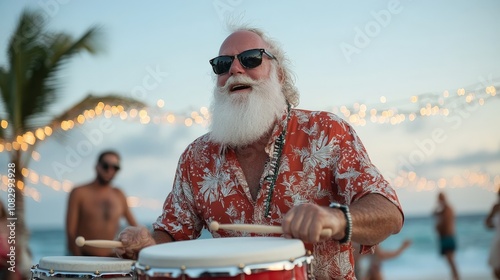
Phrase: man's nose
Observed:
(236, 67)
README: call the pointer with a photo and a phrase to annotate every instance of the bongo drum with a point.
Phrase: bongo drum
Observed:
(254, 258)
(71, 267)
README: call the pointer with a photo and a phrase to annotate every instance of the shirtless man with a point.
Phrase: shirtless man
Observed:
(445, 226)
(95, 209)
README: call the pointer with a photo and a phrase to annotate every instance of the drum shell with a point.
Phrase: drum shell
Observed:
(255, 258)
(80, 267)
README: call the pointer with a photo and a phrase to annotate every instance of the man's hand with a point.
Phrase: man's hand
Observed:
(306, 221)
(133, 240)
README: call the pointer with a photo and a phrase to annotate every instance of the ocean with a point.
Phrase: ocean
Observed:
(420, 261)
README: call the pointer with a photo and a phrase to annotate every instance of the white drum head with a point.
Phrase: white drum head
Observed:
(221, 252)
(85, 264)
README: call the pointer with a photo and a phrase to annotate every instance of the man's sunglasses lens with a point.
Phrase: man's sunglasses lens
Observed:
(251, 59)
(106, 166)
(248, 59)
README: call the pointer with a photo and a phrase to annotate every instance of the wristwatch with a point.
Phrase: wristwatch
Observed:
(348, 219)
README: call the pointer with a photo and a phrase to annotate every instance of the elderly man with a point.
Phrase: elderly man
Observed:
(265, 163)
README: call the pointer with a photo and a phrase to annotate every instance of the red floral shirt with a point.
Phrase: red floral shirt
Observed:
(322, 161)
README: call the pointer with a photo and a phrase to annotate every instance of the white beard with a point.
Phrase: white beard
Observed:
(241, 119)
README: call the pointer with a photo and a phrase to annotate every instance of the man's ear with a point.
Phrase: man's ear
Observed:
(281, 76)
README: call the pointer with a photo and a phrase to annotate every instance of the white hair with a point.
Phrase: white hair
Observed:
(283, 64)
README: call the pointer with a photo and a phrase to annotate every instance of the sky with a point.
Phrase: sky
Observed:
(341, 52)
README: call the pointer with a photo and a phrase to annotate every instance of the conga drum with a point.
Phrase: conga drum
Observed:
(254, 258)
(71, 267)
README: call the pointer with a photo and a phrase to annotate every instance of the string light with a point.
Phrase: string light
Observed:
(407, 180)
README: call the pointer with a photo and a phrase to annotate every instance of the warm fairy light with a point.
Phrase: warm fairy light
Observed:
(20, 185)
(414, 99)
(194, 114)
(442, 183)
(204, 110)
(48, 130)
(198, 120)
(469, 98)
(171, 118)
(446, 93)
(98, 111)
(160, 103)
(123, 115)
(132, 201)
(67, 186)
(16, 146)
(491, 90)
(188, 122)
(383, 99)
(24, 147)
(39, 134)
(143, 113)
(29, 138)
(35, 156)
(56, 185)
(133, 113)
(108, 114)
(80, 119)
(461, 92)
(145, 120)
(4, 124)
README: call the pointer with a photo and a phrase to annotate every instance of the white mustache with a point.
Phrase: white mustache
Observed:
(238, 79)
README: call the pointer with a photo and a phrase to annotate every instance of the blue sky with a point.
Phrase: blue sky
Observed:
(341, 52)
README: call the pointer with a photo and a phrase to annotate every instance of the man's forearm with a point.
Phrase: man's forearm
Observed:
(374, 219)
(162, 237)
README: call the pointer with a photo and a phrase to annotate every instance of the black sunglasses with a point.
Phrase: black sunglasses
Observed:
(106, 166)
(248, 59)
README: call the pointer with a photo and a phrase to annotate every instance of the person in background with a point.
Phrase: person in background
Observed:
(493, 222)
(375, 267)
(445, 227)
(95, 209)
(264, 162)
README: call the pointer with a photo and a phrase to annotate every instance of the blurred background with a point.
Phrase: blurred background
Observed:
(418, 80)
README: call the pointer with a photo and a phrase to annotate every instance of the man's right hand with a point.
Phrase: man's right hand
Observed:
(133, 240)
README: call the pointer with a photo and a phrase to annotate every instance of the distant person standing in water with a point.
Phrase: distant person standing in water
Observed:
(95, 209)
(445, 227)
(493, 222)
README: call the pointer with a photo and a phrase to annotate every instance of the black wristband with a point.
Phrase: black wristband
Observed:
(348, 221)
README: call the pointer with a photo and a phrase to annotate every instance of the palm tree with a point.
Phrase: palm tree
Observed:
(29, 85)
